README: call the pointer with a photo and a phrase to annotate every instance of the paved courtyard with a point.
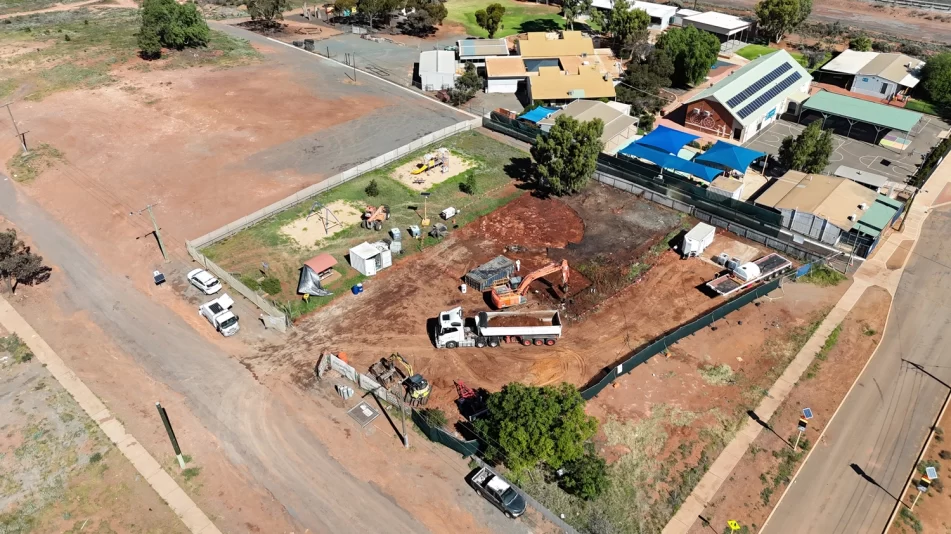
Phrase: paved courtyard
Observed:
(888, 162)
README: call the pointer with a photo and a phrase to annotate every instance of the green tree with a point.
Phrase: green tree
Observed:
(490, 18)
(643, 81)
(807, 152)
(375, 8)
(566, 157)
(572, 9)
(805, 9)
(862, 43)
(17, 262)
(586, 476)
(936, 78)
(166, 23)
(267, 10)
(779, 17)
(526, 425)
(628, 26)
(692, 51)
(427, 15)
(372, 189)
(344, 6)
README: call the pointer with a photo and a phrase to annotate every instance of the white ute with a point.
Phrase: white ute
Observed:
(218, 314)
(203, 280)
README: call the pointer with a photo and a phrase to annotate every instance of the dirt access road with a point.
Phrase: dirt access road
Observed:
(255, 428)
(883, 422)
(867, 15)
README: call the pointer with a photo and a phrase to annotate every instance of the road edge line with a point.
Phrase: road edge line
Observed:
(394, 84)
(193, 517)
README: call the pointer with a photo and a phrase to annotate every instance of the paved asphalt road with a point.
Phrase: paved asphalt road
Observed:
(884, 421)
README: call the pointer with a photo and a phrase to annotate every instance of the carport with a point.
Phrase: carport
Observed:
(858, 111)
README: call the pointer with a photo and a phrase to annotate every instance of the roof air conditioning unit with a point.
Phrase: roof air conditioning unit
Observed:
(705, 113)
(863, 206)
(695, 111)
(853, 217)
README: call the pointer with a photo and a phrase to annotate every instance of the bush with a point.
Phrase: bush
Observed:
(822, 276)
(271, 286)
(468, 186)
(585, 477)
(945, 455)
(96, 457)
(372, 189)
(861, 43)
(646, 121)
(435, 417)
(882, 46)
(166, 23)
(717, 375)
(250, 282)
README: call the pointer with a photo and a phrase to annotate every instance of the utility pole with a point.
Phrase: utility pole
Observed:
(20, 135)
(158, 235)
(403, 418)
(171, 434)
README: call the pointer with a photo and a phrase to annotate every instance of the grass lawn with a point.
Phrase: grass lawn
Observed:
(754, 51)
(922, 106)
(244, 252)
(85, 49)
(519, 17)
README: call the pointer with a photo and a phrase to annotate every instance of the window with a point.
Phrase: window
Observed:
(884, 88)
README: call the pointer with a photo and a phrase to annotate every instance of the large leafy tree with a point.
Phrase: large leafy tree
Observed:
(936, 78)
(627, 26)
(166, 23)
(267, 10)
(573, 9)
(566, 157)
(807, 152)
(692, 51)
(528, 425)
(375, 8)
(586, 476)
(427, 15)
(17, 261)
(779, 17)
(642, 82)
(490, 18)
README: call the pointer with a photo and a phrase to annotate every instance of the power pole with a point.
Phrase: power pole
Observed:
(158, 235)
(20, 135)
(171, 434)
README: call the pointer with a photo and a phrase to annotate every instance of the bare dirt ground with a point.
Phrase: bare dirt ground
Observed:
(761, 476)
(933, 510)
(311, 229)
(58, 471)
(868, 15)
(427, 179)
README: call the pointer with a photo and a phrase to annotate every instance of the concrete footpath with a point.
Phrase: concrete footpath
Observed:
(873, 272)
(163, 484)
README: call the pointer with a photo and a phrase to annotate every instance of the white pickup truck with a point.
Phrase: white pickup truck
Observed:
(219, 315)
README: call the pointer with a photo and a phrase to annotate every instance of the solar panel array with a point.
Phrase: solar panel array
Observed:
(762, 99)
(758, 86)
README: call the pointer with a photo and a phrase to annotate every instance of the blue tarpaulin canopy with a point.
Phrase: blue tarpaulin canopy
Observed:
(730, 156)
(538, 114)
(666, 139)
(669, 161)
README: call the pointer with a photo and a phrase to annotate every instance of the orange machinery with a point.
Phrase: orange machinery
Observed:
(505, 297)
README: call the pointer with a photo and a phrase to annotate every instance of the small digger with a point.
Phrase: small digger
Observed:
(388, 371)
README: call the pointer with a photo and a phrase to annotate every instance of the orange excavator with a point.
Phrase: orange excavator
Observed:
(505, 297)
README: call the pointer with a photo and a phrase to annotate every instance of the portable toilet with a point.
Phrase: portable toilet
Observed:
(697, 240)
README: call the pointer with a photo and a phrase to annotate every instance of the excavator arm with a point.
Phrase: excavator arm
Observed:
(544, 271)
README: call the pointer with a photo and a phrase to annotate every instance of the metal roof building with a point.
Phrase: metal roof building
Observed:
(875, 74)
(437, 70)
(478, 50)
(619, 128)
(553, 85)
(742, 104)
(661, 14)
(551, 45)
(855, 110)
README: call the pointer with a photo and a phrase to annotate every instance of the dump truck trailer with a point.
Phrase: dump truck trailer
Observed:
(491, 329)
(748, 274)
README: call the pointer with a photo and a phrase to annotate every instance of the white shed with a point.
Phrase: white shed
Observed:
(698, 239)
(437, 70)
(369, 259)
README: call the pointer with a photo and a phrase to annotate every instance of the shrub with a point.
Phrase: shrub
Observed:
(96, 457)
(585, 477)
(271, 286)
(945, 455)
(717, 375)
(172, 25)
(468, 186)
(250, 282)
(882, 46)
(435, 417)
(822, 276)
(372, 189)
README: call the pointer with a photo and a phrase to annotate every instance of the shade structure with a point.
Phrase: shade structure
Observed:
(537, 114)
(669, 161)
(730, 156)
(856, 109)
(666, 139)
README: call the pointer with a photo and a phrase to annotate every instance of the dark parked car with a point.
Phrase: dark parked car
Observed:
(498, 491)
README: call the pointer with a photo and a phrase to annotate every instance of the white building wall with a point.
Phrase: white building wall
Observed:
(503, 85)
(872, 86)
(434, 81)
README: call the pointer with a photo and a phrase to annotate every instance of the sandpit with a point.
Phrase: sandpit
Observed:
(309, 231)
(427, 179)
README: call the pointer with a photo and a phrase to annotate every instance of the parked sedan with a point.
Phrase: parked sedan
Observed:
(203, 280)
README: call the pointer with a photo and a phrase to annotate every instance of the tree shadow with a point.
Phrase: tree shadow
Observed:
(539, 25)
(407, 28)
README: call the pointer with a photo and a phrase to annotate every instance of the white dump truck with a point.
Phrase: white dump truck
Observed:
(744, 275)
(491, 329)
(218, 313)
(697, 240)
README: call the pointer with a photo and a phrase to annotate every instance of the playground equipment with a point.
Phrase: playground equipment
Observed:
(440, 158)
(324, 217)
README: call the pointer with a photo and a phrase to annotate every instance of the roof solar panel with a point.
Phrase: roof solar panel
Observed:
(762, 99)
(758, 85)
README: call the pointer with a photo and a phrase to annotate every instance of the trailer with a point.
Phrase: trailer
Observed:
(697, 240)
(748, 274)
(494, 328)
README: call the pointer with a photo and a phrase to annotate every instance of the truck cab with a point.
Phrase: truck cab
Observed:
(450, 330)
(218, 313)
